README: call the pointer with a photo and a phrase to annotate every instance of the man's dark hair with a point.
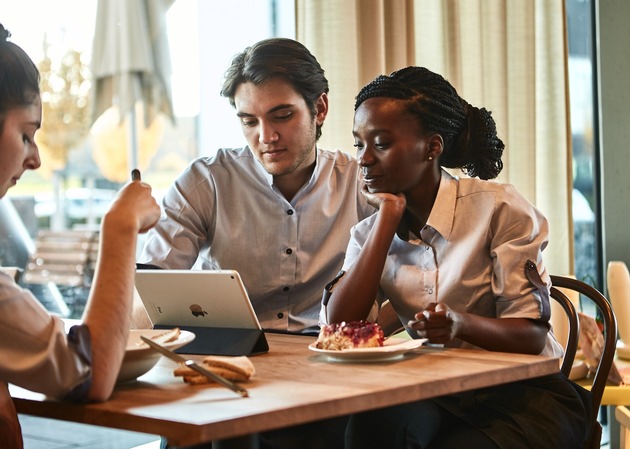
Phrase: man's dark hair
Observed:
(278, 58)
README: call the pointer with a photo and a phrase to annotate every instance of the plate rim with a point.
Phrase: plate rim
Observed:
(387, 352)
(185, 337)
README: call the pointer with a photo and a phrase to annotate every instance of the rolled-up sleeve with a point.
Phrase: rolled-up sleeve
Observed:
(520, 234)
(35, 351)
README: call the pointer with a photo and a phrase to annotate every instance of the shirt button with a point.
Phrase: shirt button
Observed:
(281, 315)
(286, 289)
(289, 251)
(290, 212)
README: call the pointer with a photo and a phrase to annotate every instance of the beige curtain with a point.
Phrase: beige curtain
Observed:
(506, 55)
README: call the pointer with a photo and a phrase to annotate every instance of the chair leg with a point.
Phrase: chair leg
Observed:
(595, 439)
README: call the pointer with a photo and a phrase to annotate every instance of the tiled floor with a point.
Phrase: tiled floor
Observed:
(42, 433)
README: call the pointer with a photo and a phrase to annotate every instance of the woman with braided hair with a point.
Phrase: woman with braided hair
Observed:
(460, 260)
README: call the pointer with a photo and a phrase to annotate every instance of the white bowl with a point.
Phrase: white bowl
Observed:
(140, 358)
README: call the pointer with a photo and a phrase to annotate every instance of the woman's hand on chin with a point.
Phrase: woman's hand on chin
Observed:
(380, 199)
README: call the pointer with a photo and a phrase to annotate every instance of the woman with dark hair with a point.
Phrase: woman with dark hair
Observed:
(460, 260)
(35, 352)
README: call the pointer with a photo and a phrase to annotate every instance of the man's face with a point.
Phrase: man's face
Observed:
(279, 126)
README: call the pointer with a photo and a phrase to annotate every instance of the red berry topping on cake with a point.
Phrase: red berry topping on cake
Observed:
(348, 335)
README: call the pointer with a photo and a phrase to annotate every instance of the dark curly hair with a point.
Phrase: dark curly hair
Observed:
(19, 77)
(469, 133)
(278, 57)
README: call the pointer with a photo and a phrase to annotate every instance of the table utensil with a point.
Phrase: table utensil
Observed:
(193, 365)
(139, 358)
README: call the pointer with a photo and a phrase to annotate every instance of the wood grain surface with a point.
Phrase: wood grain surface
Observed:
(292, 385)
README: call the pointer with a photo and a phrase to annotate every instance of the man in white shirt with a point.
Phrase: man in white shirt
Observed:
(279, 210)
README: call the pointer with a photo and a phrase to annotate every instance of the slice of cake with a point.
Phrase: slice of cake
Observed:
(349, 335)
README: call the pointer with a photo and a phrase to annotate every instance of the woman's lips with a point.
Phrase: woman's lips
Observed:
(370, 179)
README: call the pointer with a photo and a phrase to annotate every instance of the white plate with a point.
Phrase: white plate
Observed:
(392, 349)
(140, 358)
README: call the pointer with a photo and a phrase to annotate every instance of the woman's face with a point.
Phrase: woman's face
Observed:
(18, 151)
(392, 149)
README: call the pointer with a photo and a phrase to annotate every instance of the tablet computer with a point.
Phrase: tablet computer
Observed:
(214, 305)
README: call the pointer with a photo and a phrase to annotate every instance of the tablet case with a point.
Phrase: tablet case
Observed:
(223, 341)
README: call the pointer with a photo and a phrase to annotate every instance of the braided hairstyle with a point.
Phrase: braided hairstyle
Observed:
(469, 133)
(19, 77)
(278, 57)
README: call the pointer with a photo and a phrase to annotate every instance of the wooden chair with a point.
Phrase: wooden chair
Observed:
(389, 319)
(610, 340)
(62, 257)
(571, 346)
(64, 262)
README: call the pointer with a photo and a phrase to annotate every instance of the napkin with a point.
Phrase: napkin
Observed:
(591, 342)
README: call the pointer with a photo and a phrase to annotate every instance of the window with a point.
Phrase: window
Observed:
(199, 55)
(75, 186)
(204, 36)
(586, 204)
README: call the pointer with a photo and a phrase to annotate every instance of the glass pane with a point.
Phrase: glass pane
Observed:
(585, 180)
(83, 165)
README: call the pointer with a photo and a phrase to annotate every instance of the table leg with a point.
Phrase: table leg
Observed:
(244, 442)
(613, 428)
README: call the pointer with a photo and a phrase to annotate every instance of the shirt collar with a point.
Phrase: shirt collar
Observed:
(269, 177)
(443, 211)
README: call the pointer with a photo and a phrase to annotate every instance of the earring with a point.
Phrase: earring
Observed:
(430, 158)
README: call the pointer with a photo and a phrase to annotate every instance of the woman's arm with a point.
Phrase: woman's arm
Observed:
(354, 294)
(440, 325)
(108, 310)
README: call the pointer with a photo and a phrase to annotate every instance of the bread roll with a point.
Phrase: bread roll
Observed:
(236, 369)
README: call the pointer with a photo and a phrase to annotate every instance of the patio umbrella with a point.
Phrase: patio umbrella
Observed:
(131, 63)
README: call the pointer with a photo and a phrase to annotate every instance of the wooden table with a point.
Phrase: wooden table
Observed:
(292, 385)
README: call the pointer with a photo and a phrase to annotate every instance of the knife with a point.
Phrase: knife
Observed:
(193, 365)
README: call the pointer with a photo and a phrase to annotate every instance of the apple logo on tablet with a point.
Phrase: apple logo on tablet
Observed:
(197, 310)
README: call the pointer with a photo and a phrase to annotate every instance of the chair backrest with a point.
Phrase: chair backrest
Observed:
(610, 341)
(63, 257)
(571, 346)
